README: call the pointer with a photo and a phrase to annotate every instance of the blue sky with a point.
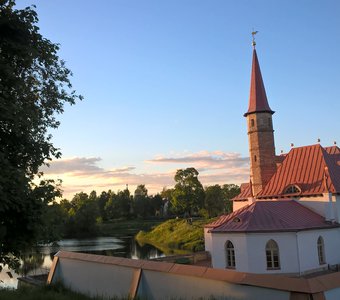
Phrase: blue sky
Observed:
(166, 84)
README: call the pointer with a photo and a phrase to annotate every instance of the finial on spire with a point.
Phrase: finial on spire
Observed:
(253, 34)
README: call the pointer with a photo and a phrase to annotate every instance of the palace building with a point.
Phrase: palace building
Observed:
(286, 218)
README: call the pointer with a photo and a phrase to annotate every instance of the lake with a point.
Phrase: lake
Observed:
(40, 261)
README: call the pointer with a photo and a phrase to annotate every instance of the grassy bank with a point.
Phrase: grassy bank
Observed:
(44, 293)
(178, 234)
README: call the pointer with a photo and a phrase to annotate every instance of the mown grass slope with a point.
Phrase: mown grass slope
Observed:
(176, 234)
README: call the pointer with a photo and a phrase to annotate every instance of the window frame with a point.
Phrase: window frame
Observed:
(321, 250)
(272, 255)
(230, 260)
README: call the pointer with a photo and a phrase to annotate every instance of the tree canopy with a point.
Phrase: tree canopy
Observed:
(34, 87)
(188, 194)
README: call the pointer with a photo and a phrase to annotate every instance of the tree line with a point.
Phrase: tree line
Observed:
(81, 215)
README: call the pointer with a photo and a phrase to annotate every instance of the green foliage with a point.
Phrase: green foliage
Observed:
(229, 192)
(176, 233)
(52, 292)
(34, 86)
(188, 194)
(83, 216)
(214, 200)
(55, 220)
(117, 206)
(146, 206)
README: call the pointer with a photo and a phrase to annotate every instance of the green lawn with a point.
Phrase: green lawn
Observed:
(177, 233)
(42, 293)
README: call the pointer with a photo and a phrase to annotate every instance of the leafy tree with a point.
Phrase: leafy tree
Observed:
(214, 200)
(156, 205)
(141, 190)
(34, 86)
(229, 192)
(118, 206)
(166, 195)
(102, 200)
(188, 194)
(82, 216)
(141, 201)
(55, 218)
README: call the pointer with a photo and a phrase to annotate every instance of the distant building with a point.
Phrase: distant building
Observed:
(286, 219)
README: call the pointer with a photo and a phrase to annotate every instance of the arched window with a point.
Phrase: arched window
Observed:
(272, 255)
(292, 189)
(252, 122)
(230, 255)
(321, 251)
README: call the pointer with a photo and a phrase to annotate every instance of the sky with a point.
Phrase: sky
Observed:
(166, 84)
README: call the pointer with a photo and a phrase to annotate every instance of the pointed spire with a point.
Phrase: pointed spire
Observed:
(258, 99)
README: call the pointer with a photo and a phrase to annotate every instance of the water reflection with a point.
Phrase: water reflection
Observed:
(40, 260)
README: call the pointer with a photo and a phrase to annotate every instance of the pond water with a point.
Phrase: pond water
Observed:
(40, 261)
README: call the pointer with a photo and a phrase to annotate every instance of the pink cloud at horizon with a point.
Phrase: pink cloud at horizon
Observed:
(83, 173)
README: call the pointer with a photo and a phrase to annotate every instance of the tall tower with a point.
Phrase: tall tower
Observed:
(260, 131)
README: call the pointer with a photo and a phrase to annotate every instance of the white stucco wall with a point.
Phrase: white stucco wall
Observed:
(321, 205)
(337, 208)
(207, 240)
(239, 204)
(297, 250)
(289, 261)
(316, 204)
(308, 254)
(250, 255)
(218, 255)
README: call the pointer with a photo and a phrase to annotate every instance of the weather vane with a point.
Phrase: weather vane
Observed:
(253, 34)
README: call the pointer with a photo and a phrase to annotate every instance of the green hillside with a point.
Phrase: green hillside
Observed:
(176, 234)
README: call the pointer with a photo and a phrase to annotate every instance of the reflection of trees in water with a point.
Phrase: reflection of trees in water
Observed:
(30, 262)
(145, 251)
(131, 249)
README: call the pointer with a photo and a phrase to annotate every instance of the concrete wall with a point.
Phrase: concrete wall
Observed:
(104, 276)
(332, 294)
(155, 285)
(94, 279)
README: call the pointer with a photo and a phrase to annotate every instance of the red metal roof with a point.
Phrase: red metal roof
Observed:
(258, 98)
(269, 216)
(305, 167)
(245, 192)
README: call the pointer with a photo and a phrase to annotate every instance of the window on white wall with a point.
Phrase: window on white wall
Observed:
(230, 255)
(321, 251)
(272, 255)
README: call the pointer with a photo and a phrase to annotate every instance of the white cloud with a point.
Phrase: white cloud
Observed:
(84, 174)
